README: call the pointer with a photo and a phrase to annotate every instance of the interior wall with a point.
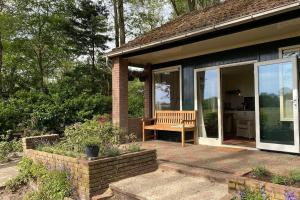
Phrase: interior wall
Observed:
(237, 78)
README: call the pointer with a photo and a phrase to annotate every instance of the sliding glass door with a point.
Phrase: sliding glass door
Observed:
(277, 122)
(207, 103)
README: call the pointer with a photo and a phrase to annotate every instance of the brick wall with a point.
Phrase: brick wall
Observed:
(135, 126)
(91, 178)
(32, 142)
(148, 92)
(275, 191)
(120, 93)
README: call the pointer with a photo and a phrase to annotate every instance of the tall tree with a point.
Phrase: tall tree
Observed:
(41, 37)
(119, 22)
(184, 6)
(86, 30)
(144, 16)
(116, 23)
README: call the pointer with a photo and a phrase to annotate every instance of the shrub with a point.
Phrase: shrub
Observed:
(281, 180)
(134, 147)
(112, 151)
(260, 171)
(7, 147)
(53, 185)
(294, 176)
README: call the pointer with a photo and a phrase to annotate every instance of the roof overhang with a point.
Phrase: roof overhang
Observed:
(216, 27)
(264, 34)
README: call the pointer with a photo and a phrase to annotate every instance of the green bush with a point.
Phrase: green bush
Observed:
(53, 185)
(112, 151)
(281, 180)
(7, 147)
(294, 176)
(134, 147)
(79, 135)
(136, 98)
(50, 112)
(260, 171)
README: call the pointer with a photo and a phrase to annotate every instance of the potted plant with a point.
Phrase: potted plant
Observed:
(91, 147)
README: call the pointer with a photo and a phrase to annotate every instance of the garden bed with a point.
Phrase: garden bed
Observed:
(92, 177)
(264, 184)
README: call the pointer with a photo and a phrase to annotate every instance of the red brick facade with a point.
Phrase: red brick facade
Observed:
(92, 177)
(120, 93)
(148, 93)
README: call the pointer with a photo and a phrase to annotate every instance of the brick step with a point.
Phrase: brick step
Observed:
(213, 175)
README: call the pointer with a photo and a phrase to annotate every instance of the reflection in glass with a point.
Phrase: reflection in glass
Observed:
(276, 103)
(207, 103)
(167, 91)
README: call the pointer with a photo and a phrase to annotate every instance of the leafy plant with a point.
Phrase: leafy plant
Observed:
(112, 152)
(134, 147)
(294, 176)
(281, 180)
(53, 185)
(7, 147)
(260, 171)
(248, 194)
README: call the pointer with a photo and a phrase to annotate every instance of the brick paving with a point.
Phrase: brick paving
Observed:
(223, 159)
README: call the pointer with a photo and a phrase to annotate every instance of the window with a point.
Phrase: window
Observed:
(288, 52)
(166, 89)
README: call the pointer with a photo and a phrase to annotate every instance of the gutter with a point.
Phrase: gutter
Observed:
(228, 24)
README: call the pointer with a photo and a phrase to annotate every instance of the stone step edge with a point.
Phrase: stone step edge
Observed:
(117, 192)
(210, 174)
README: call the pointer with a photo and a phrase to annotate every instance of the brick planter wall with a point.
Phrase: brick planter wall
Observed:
(91, 178)
(275, 191)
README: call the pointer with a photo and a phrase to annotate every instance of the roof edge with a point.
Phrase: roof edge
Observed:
(220, 26)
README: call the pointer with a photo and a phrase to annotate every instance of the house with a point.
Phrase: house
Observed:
(235, 63)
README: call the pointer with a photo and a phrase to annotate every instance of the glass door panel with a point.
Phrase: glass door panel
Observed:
(277, 105)
(207, 103)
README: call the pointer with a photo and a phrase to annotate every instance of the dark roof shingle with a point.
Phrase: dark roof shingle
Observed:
(220, 13)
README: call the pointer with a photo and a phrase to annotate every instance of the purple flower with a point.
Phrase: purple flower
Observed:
(242, 194)
(290, 195)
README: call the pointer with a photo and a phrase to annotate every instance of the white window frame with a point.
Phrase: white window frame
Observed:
(282, 118)
(270, 146)
(280, 50)
(163, 70)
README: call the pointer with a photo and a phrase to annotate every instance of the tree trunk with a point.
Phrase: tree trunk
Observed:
(121, 22)
(191, 5)
(116, 22)
(1, 64)
(175, 7)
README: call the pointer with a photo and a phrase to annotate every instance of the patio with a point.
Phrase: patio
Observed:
(222, 159)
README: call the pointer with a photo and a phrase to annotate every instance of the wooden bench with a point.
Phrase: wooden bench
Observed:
(177, 121)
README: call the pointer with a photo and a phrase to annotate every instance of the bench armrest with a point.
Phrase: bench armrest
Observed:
(148, 119)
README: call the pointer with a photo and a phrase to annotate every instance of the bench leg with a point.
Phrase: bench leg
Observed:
(155, 135)
(143, 135)
(195, 137)
(182, 138)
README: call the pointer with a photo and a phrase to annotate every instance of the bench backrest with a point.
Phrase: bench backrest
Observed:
(174, 117)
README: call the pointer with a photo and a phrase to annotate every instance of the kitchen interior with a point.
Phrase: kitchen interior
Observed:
(238, 105)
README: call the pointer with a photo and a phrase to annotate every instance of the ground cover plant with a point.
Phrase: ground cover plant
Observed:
(261, 173)
(52, 185)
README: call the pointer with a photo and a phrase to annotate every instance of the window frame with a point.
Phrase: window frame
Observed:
(163, 70)
(281, 49)
(282, 117)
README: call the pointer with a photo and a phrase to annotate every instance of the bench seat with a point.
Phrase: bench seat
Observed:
(176, 121)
